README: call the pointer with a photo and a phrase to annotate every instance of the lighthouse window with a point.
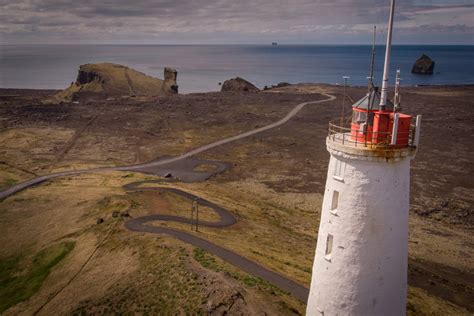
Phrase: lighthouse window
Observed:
(359, 117)
(328, 253)
(334, 202)
(339, 169)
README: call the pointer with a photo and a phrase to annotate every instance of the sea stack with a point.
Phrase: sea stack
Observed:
(171, 76)
(423, 66)
(361, 261)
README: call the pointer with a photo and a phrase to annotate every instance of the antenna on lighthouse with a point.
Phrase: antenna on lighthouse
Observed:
(386, 67)
(372, 64)
(371, 75)
(397, 97)
(343, 99)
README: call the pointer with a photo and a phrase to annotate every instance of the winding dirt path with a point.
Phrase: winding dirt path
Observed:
(226, 218)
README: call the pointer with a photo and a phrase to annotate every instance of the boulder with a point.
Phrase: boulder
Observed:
(423, 66)
(238, 85)
(113, 80)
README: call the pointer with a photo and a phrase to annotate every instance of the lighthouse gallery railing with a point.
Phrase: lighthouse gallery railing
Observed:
(349, 136)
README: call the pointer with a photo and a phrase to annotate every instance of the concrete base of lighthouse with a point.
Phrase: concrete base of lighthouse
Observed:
(360, 266)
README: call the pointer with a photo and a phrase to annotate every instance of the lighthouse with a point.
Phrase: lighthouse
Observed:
(361, 259)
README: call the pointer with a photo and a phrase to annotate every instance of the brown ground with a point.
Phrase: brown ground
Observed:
(274, 188)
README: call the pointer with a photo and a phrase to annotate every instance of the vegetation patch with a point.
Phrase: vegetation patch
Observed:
(205, 259)
(8, 182)
(21, 277)
(285, 262)
(208, 261)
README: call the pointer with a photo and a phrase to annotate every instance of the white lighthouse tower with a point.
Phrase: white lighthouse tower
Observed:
(360, 265)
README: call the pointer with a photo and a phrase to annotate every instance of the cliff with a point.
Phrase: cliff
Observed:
(109, 79)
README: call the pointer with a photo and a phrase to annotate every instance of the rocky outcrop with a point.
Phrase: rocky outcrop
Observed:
(423, 66)
(280, 85)
(113, 80)
(171, 76)
(238, 85)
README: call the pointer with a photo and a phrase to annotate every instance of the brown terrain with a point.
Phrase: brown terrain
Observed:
(273, 188)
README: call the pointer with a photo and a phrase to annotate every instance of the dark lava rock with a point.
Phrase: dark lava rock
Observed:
(124, 214)
(280, 85)
(238, 85)
(99, 221)
(120, 214)
(423, 66)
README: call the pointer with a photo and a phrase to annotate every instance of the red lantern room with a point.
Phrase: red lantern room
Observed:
(373, 124)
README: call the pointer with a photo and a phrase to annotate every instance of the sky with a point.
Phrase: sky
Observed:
(233, 21)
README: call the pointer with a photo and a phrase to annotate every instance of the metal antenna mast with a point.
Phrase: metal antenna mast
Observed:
(372, 64)
(371, 98)
(386, 68)
(343, 100)
(397, 98)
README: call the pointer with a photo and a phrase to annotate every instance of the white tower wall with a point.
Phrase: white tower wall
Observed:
(366, 270)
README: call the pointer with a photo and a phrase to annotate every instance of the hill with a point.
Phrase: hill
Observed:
(109, 79)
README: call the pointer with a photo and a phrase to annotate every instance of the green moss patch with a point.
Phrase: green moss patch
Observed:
(8, 182)
(21, 277)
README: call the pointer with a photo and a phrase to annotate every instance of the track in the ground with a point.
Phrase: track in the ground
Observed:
(226, 219)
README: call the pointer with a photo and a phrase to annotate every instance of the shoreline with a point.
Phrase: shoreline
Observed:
(467, 85)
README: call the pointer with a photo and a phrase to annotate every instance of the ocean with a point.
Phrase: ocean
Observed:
(202, 67)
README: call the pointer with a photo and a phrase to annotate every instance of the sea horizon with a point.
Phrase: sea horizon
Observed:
(201, 67)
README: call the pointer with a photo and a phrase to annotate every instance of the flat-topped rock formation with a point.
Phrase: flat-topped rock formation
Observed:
(109, 79)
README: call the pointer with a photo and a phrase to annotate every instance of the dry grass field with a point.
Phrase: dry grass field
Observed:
(50, 237)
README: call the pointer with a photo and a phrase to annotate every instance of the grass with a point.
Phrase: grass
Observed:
(162, 284)
(288, 263)
(209, 262)
(20, 278)
(205, 259)
(8, 182)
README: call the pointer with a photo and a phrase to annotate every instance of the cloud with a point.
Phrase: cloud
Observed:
(158, 21)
